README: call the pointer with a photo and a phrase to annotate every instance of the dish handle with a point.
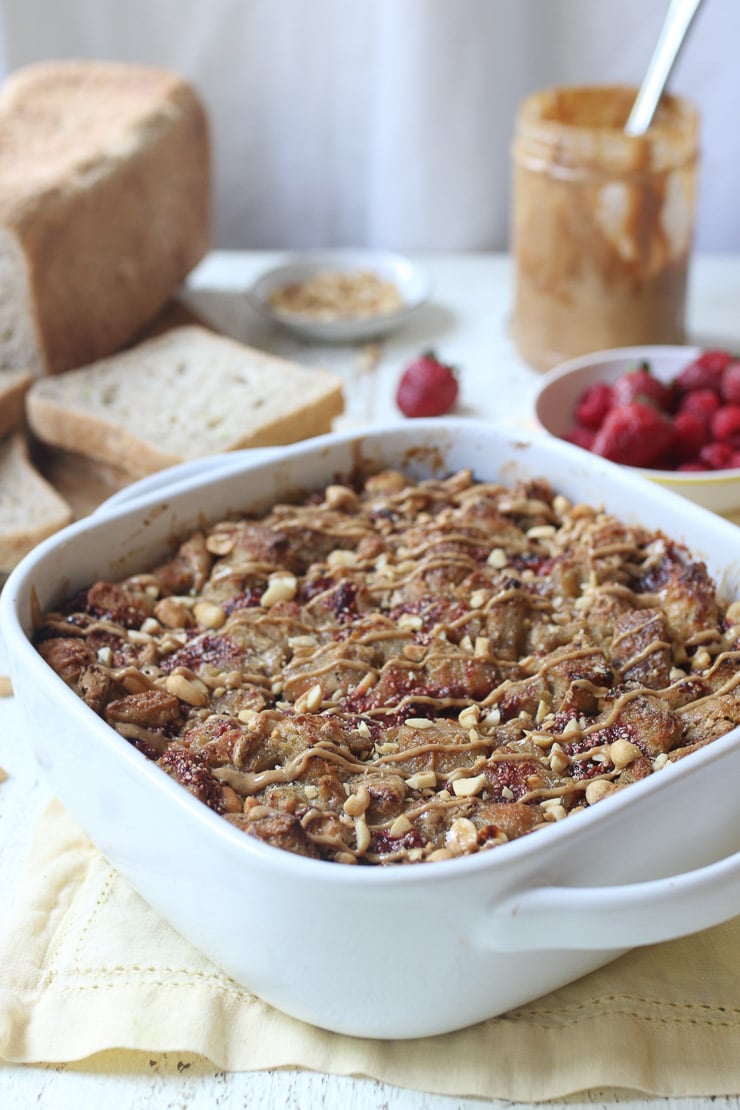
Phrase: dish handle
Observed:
(165, 480)
(609, 917)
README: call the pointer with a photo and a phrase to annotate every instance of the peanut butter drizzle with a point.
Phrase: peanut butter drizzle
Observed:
(252, 782)
(241, 570)
(99, 624)
(613, 549)
(138, 732)
(440, 562)
(496, 695)
(379, 636)
(480, 539)
(341, 663)
(386, 579)
(124, 674)
(428, 749)
(492, 745)
(616, 589)
(709, 635)
(640, 656)
(726, 688)
(636, 630)
(618, 704)
(250, 678)
(415, 699)
(719, 659)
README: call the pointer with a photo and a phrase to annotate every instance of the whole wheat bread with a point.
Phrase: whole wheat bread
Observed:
(104, 206)
(178, 396)
(30, 509)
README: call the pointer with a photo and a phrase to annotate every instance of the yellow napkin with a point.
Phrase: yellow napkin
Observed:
(86, 965)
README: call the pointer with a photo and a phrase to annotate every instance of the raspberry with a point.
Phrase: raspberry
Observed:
(427, 387)
(703, 402)
(640, 385)
(635, 434)
(725, 423)
(593, 405)
(690, 433)
(730, 387)
(582, 437)
(705, 372)
(717, 456)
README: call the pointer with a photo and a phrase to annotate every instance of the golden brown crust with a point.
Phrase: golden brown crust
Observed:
(30, 509)
(14, 385)
(106, 188)
(100, 440)
(155, 404)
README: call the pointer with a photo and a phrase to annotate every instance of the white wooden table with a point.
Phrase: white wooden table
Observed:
(467, 323)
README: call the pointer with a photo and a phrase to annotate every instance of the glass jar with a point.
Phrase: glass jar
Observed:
(602, 222)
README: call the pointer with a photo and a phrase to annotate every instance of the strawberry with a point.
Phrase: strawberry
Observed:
(730, 386)
(691, 423)
(693, 465)
(717, 456)
(690, 433)
(593, 405)
(635, 434)
(705, 372)
(582, 437)
(428, 387)
(703, 402)
(640, 385)
(725, 424)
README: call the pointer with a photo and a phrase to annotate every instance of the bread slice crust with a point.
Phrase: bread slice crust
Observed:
(30, 508)
(14, 385)
(181, 395)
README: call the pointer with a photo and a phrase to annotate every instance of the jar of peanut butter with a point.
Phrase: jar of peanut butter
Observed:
(602, 222)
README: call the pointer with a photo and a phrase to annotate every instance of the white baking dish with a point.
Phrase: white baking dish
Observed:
(384, 951)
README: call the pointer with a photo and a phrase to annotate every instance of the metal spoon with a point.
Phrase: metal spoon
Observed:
(672, 35)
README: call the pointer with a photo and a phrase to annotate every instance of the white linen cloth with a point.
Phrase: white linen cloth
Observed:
(387, 123)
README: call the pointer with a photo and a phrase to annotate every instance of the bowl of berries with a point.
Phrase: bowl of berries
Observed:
(673, 413)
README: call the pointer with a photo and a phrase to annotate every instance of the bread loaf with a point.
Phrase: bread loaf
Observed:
(184, 394)
(104, 206)
(30, 509)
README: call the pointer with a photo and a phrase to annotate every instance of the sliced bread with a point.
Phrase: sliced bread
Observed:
(178, 396)
(83, 483)
(14, 384)
(104, 206)
(30, 509)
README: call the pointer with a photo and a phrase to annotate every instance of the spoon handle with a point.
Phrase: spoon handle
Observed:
(675, 28)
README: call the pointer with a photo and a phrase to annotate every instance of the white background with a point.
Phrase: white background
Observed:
(387, 122)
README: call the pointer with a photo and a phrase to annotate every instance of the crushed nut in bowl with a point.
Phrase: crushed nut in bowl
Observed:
(333, 295)
(341, 296)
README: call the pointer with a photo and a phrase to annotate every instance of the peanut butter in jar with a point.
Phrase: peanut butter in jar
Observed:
(602, 222)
